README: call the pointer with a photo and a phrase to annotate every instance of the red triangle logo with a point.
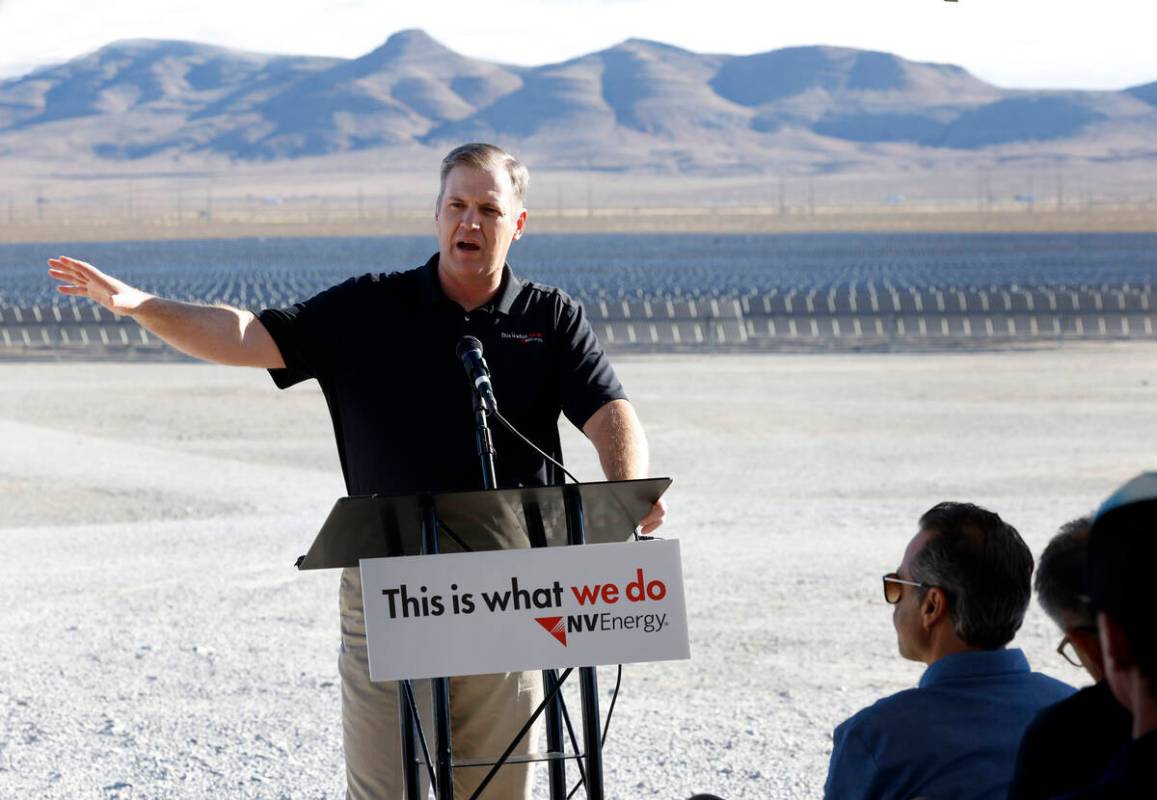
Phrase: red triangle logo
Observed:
(554, 626)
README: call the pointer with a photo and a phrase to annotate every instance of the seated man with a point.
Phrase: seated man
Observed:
(1070, 744)
(1122, 557)
(960, 595)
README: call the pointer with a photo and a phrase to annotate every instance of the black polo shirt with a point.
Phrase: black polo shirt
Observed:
(383, 349)
(1070, 744)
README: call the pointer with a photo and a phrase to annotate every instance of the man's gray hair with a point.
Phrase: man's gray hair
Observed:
(1060, 576)
(983, 567)
(480, 155)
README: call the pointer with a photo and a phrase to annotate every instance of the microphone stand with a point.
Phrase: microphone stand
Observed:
(484, 443)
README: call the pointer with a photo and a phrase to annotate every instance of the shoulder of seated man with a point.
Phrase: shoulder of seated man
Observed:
(882, 712)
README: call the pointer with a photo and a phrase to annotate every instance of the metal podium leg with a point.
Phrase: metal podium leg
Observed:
(444, 756)
(588, 676)
(554, 741)
(592, 736)
(410, 768)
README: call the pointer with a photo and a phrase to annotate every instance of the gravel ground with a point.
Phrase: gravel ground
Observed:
(157, 643)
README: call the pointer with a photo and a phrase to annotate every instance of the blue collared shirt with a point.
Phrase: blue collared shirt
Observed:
(953, 737)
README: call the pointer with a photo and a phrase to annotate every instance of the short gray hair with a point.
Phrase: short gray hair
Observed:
(1060, 576)
(480, 155)
(983, 567)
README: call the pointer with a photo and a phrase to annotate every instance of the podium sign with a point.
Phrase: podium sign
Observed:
(523, 609)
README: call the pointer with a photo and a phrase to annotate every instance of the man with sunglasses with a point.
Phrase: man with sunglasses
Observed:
(1070, 744)
(959, 596)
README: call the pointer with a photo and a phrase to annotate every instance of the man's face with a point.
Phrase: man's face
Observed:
(478, 216)
(906, 613)
(1116, 670)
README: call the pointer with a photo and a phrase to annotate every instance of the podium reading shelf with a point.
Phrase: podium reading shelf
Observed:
(493, 519)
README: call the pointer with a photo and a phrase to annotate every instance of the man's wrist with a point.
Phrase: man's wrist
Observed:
(134, 303)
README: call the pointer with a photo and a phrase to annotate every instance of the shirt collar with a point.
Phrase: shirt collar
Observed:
(974, 664)
(502, 302)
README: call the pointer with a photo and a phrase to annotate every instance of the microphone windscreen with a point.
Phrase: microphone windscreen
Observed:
(466, 344)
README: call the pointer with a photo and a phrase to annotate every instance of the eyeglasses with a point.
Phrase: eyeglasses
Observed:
(894, 587)
(1068, 650)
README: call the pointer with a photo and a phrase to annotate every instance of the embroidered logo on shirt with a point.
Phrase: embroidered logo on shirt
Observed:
(525, 338)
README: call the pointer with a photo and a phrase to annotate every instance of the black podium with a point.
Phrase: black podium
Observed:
(581, 513)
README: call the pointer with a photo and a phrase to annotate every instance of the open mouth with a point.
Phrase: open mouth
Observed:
(468, 247)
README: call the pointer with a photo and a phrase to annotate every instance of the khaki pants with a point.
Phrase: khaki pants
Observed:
(485, 713)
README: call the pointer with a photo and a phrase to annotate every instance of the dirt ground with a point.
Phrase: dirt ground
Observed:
(157, 642)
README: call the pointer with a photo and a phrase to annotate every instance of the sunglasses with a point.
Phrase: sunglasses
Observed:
(894, 587)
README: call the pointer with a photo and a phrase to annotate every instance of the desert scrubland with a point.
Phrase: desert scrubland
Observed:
(359, 195)
(157, 642)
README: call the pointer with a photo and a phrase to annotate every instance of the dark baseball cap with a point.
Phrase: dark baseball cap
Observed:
(1122, 560)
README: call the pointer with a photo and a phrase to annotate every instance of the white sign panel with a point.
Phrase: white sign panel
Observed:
(508, 610)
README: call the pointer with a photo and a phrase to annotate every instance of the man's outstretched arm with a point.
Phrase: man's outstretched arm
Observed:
(618, 437)
(221, 334)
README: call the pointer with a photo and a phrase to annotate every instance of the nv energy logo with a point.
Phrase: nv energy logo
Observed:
(637, 591)
(554, 626)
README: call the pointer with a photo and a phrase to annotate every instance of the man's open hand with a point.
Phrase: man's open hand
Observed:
(84, 280)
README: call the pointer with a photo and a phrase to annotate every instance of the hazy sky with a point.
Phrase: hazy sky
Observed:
(1082, 44)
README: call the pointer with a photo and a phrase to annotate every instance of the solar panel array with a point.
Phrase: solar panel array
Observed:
(835, 317)
(830, 291)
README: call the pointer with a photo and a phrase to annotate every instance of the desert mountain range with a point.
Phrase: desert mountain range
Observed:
(639, 104)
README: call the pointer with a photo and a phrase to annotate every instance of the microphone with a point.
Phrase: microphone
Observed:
(469, 350)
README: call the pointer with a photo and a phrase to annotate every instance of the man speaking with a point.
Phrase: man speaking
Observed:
(382, 347)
